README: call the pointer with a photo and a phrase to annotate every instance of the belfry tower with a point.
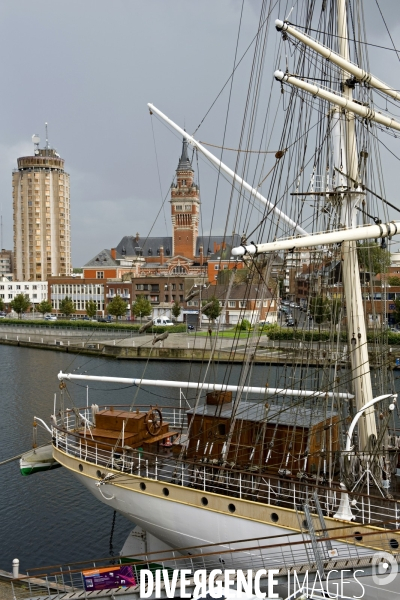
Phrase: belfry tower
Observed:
(185, 208)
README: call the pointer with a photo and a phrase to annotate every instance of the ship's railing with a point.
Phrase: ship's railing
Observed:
(282, 553)
(209, 477)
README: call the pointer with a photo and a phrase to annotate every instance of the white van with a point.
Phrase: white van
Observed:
(163, 322)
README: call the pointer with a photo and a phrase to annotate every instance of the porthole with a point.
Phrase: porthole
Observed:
(81, 468)
(204, 501)
(142, 486)
(165, 491)
(357, 536)
(98, 473)
(231, 508)
(394, 544)
(274, 517)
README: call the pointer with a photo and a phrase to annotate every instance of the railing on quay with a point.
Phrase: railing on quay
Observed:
(210, 477)
(282, 553)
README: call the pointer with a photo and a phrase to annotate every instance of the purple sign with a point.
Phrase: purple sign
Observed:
(109, 577)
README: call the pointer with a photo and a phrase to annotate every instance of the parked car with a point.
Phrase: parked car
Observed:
(50, 318)
(85, 318)
(394, 330)
(102, 320)
(290, 323)
(163, 321)
(190, 327)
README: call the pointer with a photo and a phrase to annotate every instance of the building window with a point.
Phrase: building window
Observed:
(242, 304)
(99, 274)
(178, 207)
(216, 267)
(232, 304)
(188, 207)
(179, 270)
(174, 286)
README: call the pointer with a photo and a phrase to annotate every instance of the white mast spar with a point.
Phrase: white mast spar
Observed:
(218, 163)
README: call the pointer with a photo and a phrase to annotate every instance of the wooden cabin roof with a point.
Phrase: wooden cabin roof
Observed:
(283, 414)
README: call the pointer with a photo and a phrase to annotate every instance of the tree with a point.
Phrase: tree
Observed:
(176, 309)
(117, 307)
(20, 304)
(372, 257)
(320, 309)
(91, 308)
(67, 307)
(214, 310)
(396, 313)
(1, 304)
(141, 307)
(44, 307)
(394, 280)
(335, 311)
(243, 325)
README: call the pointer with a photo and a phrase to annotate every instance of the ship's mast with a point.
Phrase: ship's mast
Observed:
(346, 160)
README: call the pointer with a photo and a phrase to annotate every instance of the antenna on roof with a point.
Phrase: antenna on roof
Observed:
(47, 137)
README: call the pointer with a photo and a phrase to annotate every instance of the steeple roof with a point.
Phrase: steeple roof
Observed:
(184, 162)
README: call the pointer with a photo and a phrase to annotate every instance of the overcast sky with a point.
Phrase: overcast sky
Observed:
(89, 68)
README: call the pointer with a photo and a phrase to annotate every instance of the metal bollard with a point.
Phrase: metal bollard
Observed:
(15, 568)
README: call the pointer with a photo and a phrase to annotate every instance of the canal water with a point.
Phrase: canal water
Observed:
(49, 518)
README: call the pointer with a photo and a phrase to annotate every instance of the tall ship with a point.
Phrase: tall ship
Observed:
(310, 453)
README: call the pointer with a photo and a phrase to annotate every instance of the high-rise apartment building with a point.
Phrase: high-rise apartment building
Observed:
(6, 262)
(42, 242)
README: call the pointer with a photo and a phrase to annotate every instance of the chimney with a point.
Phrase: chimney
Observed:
(161, 255)
(201, 255)
(113, 253)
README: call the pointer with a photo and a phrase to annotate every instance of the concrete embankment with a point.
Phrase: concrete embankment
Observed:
(180, 347)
